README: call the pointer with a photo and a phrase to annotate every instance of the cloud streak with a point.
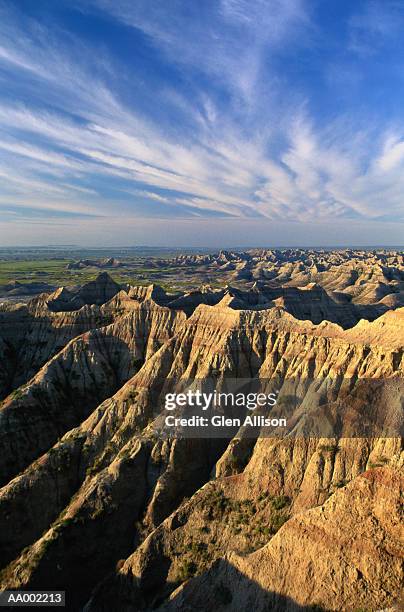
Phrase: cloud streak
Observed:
(225, 142)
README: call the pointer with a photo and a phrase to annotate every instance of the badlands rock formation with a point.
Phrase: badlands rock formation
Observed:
(363, 277)
(95, 502)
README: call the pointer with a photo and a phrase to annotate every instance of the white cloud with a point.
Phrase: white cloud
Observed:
(225, 39)
(227, 162)
(392, 156)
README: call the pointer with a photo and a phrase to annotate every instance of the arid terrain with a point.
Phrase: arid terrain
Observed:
(363, 275)
(94, 502)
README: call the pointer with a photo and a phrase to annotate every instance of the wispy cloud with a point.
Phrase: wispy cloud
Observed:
(230, 41)
(75, 138)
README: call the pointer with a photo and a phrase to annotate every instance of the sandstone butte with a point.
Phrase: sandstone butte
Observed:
(94, 503)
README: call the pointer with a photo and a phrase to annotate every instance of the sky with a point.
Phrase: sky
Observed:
(202, 123)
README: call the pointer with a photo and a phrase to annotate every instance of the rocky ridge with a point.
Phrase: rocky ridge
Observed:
(141, 522)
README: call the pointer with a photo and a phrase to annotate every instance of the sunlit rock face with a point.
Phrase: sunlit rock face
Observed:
(94, 503)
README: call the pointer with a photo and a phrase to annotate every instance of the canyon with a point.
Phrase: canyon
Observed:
(97, 501)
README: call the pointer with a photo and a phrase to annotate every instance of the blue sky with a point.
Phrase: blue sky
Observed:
(213, 122)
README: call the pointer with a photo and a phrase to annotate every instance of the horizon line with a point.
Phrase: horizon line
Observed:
(219, 247)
